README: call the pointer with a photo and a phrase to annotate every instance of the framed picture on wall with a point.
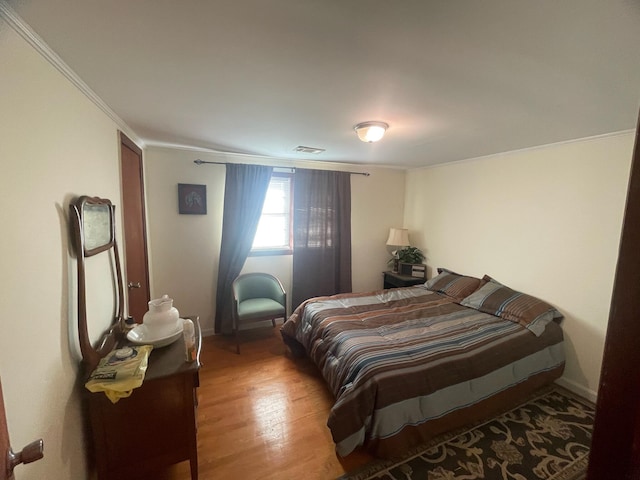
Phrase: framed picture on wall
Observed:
(192, 199)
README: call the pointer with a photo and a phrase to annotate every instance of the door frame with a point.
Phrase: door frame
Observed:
(615, 448)
(5, 444)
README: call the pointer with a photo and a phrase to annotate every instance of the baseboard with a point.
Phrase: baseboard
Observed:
(207, 332)
(577, 389)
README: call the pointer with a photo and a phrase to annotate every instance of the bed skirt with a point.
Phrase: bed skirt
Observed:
(412, 436)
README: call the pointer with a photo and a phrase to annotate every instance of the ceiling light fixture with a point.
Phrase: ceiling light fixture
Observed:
(371, 131)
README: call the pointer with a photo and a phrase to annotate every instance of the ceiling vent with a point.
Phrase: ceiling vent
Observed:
(313, 150)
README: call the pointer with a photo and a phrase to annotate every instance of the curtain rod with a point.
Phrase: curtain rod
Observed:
(200, 162)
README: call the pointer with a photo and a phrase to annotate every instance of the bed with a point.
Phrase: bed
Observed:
(409, 363)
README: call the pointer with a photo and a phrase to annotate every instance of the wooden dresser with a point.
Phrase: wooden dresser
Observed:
(156, 426)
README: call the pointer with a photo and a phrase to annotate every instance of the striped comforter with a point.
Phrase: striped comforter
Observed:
(402, 357)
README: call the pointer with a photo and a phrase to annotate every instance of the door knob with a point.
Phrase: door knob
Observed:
(133, 285)
(32, 452)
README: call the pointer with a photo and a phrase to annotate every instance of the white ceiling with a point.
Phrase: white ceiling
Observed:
(453, 79)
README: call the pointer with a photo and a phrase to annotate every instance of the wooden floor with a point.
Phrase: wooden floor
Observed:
(262, 415)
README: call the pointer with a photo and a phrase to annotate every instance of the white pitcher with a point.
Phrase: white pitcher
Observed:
(162, 318)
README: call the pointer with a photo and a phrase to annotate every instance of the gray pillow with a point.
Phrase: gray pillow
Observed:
(501, 301)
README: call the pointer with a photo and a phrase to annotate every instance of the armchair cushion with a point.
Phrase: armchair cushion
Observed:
(259, 307)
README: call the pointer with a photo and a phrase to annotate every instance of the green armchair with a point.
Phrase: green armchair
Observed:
(257, 297)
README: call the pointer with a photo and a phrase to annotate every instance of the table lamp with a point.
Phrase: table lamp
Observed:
(398, 237)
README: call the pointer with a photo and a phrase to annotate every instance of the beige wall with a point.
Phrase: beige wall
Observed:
(54, 144)
(546, 221)
(184, 248)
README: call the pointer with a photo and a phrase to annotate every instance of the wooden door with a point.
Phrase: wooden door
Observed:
(8, 459)
(135, 234)
(615, 449)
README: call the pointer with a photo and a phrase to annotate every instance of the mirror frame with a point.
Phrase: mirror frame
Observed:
(91, 354)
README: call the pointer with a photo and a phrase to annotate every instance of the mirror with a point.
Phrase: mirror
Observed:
(93, 225)
(97, 227)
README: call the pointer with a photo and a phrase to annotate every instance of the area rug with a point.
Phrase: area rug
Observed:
(547, 437)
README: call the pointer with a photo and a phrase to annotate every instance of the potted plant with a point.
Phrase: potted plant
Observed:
(411, 255)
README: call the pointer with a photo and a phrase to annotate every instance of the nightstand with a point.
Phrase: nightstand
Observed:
(395, 280)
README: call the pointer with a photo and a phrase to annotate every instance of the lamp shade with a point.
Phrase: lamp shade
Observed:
(398, 237)
(371, 131)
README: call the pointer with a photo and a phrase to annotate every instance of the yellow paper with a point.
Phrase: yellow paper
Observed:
(120, 371)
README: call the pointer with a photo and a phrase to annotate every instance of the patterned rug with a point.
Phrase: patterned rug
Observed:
(547, 437)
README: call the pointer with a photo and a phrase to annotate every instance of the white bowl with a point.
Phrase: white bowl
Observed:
(143, 335)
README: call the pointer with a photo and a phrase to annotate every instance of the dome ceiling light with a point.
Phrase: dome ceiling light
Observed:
(371, 131)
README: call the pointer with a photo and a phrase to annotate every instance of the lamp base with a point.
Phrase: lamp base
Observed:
(396, 264)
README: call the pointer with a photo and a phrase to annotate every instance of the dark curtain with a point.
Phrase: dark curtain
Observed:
(244, 193)
(322, 234)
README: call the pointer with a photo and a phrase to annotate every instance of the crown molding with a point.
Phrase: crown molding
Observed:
(276, 162)
(527, 149)
(32, 38)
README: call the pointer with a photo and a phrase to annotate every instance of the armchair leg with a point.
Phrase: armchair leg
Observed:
(235, 333)
(273, 322)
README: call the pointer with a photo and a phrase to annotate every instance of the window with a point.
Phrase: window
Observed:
(274, 230)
